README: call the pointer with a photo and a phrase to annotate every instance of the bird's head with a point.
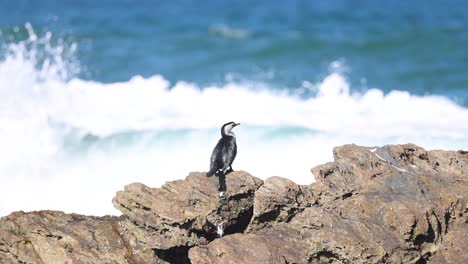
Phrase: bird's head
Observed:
(226, 129)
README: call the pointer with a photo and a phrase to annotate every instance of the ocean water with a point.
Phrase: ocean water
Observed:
(95, 95)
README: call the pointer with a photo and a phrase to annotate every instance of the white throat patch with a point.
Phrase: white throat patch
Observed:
(227, 129)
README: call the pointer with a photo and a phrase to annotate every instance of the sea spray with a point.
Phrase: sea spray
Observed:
(220, 229)
(69, 142)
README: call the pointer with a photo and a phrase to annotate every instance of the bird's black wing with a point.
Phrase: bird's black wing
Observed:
(214, 160)
(229, 153)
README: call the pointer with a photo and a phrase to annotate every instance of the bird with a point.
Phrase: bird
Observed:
(224, 152)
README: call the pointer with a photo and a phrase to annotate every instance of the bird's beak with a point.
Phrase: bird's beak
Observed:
(236, 124)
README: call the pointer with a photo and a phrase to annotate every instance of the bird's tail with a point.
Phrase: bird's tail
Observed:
(211, 172)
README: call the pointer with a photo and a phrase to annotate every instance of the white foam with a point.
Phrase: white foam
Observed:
(49, 161)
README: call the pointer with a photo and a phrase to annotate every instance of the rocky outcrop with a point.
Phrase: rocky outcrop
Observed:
(453, 247)
(278, 200)
(185, 213)
(159, 225)
(394, 204)
(55, 237)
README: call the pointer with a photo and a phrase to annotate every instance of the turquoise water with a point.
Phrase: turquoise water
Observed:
(95, 95)
(418, 46)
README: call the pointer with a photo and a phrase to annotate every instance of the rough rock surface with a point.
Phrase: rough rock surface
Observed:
(189, 212)
(55, 237)
(278, 200)
(158, 226)
(395, 204)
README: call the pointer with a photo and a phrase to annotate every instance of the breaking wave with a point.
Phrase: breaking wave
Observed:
(69, 144)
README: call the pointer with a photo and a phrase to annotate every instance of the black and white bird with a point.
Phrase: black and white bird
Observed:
(225, 151)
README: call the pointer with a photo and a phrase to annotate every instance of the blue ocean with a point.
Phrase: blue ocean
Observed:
(95, 95)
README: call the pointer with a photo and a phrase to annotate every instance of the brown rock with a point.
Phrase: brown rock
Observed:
(189, 212)
(454, 247)
(396, 204)
(160, 224)
(279, 244)
(55, 237)
(278, 200)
